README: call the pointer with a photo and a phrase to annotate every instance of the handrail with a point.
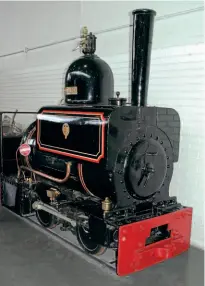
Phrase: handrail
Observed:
(54, 179)
(21, 112)
(1, 132)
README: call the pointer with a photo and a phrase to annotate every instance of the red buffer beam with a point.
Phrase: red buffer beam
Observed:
(133, 253)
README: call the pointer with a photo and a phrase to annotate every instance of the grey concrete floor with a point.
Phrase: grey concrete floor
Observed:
(29, 257)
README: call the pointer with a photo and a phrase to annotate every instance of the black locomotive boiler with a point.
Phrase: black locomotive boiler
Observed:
(101, 167)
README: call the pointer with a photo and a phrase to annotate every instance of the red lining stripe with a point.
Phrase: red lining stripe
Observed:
(80, 173)
(93, 160)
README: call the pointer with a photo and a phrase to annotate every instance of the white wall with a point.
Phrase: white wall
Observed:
(36, 23)
(177, 30)
(28, 80)
(176, 80)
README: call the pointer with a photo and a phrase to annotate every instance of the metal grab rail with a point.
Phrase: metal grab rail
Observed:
(54, 179)
(1, 133)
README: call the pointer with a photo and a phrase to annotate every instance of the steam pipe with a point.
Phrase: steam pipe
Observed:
(61, 181)
(143, 20)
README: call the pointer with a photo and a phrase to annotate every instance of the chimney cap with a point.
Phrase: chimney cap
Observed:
(144, 11)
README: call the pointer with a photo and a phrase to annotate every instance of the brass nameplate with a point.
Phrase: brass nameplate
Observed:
(71, 90)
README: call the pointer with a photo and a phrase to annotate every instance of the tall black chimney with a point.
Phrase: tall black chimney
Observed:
(143, 20)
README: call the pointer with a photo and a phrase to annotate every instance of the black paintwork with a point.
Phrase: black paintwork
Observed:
(127, 127)
(140, 148)
(83, 139)
(143, 20)
(141, 143)
(10, 145)
(93, 79)
(89, 79)
(117, 101)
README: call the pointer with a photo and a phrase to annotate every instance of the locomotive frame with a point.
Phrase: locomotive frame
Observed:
(134, 253)
(130, 211)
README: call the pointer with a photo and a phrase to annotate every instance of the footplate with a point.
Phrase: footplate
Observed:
(135, 253)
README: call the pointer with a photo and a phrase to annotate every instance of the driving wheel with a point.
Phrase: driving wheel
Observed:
(85, 241)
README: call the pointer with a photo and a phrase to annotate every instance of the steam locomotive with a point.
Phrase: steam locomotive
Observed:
(101, 167)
